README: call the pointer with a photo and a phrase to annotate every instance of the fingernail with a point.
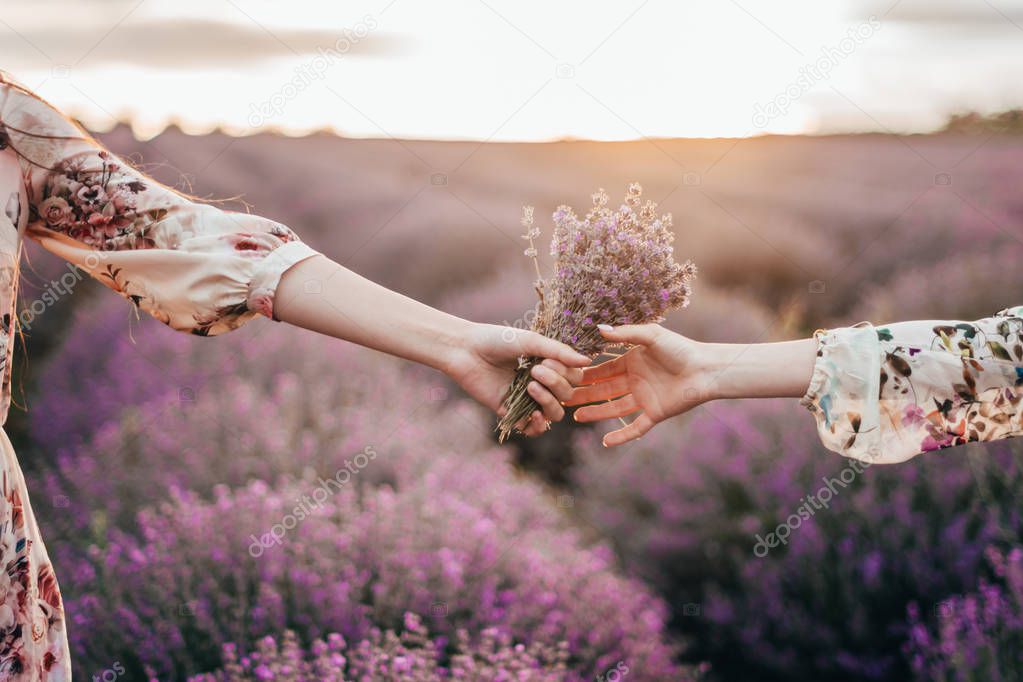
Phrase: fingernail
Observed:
(538, 371)
(605, 327)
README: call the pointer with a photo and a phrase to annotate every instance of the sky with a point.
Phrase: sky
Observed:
(524, 70)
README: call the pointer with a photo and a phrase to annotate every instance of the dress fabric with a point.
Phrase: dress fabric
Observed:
(884, 394)
(195, 267)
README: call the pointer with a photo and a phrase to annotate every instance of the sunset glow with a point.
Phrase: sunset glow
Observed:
(529, 71)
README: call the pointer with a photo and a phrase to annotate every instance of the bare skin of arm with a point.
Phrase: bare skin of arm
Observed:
(323, 296)
(665, 374)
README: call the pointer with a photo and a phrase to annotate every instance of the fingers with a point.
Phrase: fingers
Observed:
(644, 334)
(637, 428)
(572, 374)
(534, 425)
(550, 405)
(548, 395)
(604, 390)
(554, 376)
(609, 410)
(537, 345)
(603, 371)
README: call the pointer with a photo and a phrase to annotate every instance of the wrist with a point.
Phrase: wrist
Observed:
(454, 346)
(758, 370)
(710, 361)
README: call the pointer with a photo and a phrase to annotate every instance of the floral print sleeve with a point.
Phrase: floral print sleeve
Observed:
(886, 394)
(193, 266)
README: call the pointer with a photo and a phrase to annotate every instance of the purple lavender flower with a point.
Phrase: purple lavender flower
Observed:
(408, 655)
(973, 636)
(631, 278)
(685, 506)
(455, 539)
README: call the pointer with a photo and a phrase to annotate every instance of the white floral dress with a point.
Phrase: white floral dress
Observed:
(195, 267)
(884, 394)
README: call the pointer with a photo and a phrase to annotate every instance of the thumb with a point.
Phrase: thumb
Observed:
(643, 334)
(538, 345)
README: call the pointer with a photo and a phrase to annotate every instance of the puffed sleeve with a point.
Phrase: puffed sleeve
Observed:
(194, 266)
(888, 393)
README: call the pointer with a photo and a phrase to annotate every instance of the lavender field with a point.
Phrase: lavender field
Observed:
(168, 471)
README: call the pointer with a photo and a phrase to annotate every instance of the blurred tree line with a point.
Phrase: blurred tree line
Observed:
(1008, 122)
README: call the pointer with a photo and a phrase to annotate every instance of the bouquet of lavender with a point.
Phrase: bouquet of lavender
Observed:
(615, 266)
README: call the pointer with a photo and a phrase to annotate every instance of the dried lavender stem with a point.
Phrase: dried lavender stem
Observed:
(518, 401)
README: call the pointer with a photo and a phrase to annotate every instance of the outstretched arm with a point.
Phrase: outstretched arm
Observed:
(666, 374)
(207, 271)
(323, 296)
(881, 394)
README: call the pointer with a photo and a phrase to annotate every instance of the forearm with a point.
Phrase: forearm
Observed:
(758, 370)
(324, 296)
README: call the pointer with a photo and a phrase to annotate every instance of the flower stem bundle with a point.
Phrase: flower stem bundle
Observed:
(614, 266)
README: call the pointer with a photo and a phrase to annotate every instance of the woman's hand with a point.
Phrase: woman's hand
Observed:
(666, 374)
(485, 363)
(659, 378)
